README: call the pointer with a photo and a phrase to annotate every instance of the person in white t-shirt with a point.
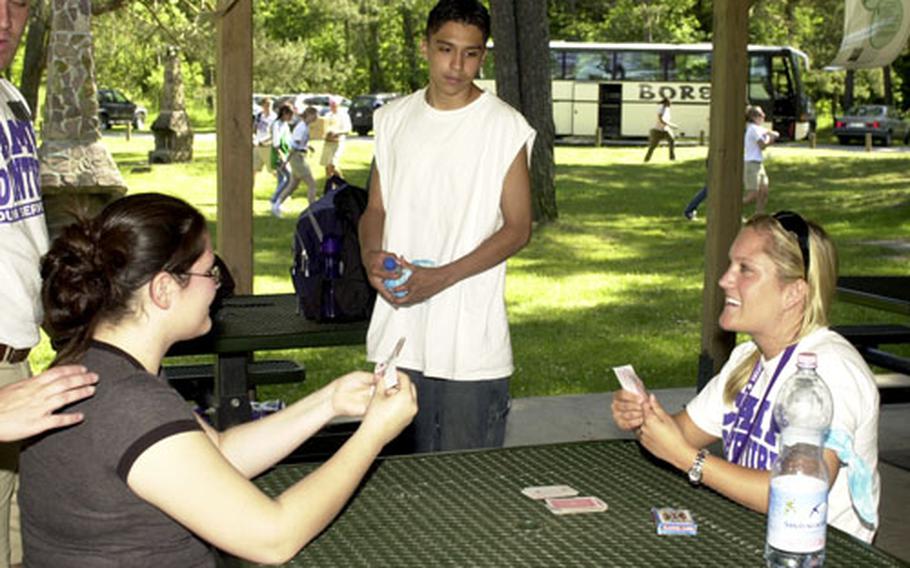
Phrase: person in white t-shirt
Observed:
(755, 140)
(300, 169)
(262, 135)
(663, 130)
(27, 405)
(450, 186)
(779, 286)
(338, 124)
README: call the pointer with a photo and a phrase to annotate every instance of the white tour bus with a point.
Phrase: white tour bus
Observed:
(616, 87)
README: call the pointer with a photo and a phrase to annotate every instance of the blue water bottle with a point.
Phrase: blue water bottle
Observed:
(402, 274)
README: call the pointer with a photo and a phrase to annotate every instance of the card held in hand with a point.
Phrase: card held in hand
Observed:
(387, 371)
(630, 381)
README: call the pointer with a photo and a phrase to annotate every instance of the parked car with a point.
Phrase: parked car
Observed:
(881, 121)
(320, 101)
(115, 108)
(362, 109)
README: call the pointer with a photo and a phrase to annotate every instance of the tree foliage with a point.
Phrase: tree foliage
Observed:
(356, 46)
(340, 46)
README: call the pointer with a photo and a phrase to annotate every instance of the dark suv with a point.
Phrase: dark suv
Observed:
(115, 108)
(362, 110)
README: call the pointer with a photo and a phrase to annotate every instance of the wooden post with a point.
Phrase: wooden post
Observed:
(598, 137)
(129, 131)
(812, 140)
(868, 141)
(701, 137)
(234, 127)
(725, 173)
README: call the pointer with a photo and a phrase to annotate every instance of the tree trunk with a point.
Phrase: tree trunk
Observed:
(410, 47)
(377, 83)
(521, 28)
(889, 87)
(35, 58)
(848, 91)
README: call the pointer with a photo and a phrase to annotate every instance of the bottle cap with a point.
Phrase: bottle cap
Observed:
(389, 263)
(806, 359)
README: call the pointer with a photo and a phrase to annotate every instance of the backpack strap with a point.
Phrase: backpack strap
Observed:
(314, 223)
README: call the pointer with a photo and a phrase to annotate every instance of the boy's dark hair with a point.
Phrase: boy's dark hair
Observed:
(467, 12)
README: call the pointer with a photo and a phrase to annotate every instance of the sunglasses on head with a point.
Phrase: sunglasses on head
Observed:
(794, 223)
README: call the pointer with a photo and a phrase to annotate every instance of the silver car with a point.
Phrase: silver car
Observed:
(881, 121)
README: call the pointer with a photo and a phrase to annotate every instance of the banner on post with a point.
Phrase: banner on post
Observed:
(875, 32)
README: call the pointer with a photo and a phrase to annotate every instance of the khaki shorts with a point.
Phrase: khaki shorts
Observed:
(299, 166)
(10, 535)
(262, 158)
(331, 154)
(754, 176)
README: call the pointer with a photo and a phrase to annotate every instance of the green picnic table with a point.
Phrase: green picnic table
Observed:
(467, 509)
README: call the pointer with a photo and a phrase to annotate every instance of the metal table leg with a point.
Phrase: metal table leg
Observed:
(232, 403)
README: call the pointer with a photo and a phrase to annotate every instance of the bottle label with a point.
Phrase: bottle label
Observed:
(798, 513)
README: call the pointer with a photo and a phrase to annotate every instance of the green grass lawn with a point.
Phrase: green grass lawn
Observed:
(618, 279)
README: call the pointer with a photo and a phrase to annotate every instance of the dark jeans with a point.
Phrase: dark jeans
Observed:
(696, 201)
(456, 415)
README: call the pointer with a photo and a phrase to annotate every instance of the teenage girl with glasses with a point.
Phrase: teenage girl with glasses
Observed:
(143, 481)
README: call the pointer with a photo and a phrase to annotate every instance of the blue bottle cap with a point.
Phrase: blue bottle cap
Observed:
(389, 263)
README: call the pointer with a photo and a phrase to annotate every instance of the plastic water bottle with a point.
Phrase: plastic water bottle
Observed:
(401, 274)
(331, 255)
(798, 503)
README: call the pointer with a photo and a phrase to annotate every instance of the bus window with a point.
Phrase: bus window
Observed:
(690, 67)
(639, 66)
(759, 79)
(589, 65)
(556, 70)
(780, 73)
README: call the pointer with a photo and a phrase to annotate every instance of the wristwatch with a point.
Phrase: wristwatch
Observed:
(697, 466)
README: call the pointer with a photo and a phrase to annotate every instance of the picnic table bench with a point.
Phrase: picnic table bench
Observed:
(887, 293)
(247, 324)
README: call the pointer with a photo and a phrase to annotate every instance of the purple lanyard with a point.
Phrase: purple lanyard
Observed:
(756, 372)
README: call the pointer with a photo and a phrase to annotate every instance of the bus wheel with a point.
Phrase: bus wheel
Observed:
(844, 140)
(886, 141)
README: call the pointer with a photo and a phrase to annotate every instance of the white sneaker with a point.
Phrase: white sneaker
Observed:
(276, 209)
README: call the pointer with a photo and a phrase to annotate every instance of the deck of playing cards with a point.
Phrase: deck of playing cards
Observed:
(629, 380)
(575, 505)
(674, 521)
(549, 492)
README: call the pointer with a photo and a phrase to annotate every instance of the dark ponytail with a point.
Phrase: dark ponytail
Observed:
(93, 269)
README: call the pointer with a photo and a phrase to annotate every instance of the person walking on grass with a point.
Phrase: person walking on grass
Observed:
(300, 169)
(663, 130)
(755, 140)
(281, 148)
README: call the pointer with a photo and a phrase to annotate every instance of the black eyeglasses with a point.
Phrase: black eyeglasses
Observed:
(214, 273)
(794, 223)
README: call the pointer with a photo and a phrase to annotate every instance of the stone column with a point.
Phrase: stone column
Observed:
(77, 170)
(173, 133)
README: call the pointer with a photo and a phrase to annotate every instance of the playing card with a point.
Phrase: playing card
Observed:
(630, 381)
(573, 505)
(549, 491)
(387, 370)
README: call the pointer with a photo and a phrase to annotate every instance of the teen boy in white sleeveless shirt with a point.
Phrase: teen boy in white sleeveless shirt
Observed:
(450, 185)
